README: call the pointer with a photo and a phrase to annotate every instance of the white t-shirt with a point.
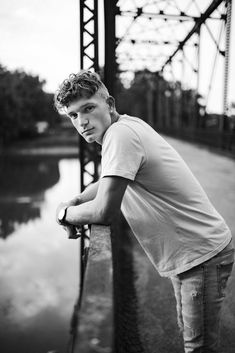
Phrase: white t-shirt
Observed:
(164, 204)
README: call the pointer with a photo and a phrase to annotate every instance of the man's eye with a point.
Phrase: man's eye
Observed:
(73, 116)
(89, 109)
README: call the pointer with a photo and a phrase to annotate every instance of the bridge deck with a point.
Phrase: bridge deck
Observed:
(216, 174)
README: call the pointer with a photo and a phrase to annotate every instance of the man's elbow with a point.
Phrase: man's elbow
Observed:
(108, 216)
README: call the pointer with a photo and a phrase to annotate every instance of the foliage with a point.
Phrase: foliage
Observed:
(23, 103)
(159, 102)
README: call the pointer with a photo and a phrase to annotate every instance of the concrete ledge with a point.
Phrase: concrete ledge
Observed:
(126, 306)
(95, 330)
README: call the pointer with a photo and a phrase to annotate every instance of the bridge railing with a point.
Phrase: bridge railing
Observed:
(95, 326)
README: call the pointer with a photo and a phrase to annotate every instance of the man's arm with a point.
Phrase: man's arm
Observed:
(104, 207)
(87, 195)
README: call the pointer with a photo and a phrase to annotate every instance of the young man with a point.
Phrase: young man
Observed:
(177, 226)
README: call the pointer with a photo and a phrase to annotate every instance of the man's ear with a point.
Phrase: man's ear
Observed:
(111, 103)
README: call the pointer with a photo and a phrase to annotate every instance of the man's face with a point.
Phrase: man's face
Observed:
(90, 117)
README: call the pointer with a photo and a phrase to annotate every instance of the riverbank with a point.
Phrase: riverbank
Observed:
(61, 141)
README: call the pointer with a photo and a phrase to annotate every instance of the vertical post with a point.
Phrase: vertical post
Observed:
(198, 58)
(226, 65)
(197, 116)
(89, 60)
(182, 115)
(159, 120)
(150, 100)
(81, 12)
(89, 35)
(110, 7)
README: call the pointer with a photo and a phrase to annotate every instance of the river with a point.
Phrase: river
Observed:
(39, 266)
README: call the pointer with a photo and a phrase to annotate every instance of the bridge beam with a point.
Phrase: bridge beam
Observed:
(196, 27)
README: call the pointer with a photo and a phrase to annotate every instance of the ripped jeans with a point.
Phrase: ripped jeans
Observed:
(199, 296)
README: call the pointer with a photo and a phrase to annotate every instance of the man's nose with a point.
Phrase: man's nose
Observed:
(82, 121)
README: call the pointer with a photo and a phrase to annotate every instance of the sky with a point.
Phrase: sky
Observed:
(42, 38)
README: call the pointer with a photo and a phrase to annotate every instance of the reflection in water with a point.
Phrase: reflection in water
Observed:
(15, 212)
(38, 264)
(22, 185)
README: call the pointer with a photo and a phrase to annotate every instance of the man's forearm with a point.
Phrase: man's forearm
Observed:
(86, 213)
(103, 208)
(87, 195)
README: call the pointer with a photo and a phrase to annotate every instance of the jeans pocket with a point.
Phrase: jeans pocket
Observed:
(224, 270)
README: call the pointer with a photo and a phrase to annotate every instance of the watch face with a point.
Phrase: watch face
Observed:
(61, 214)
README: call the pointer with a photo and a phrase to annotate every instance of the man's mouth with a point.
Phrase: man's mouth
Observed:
(87, 130)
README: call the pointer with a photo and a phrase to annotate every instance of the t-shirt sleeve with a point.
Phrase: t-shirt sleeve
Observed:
(122, 152)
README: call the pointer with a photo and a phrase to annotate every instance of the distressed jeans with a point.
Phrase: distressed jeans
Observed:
(199, 296)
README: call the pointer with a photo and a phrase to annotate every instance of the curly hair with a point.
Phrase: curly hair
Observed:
(81, 85)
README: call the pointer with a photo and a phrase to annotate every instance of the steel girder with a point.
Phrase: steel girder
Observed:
(178, 26)
(89, 159)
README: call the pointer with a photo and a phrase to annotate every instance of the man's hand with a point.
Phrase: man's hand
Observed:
(87, 195)
(59, 208)
(73, 232)
(73, 202)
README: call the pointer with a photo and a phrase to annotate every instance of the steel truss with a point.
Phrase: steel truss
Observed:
(162, 36)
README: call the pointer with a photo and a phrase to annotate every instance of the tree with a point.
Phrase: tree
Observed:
(163, 104)
(23, 103)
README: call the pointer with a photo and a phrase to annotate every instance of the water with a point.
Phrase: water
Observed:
(38, 265)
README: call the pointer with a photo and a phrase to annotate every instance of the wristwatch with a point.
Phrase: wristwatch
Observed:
(62, 215)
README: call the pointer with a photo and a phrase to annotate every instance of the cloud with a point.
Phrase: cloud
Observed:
(41, 38)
